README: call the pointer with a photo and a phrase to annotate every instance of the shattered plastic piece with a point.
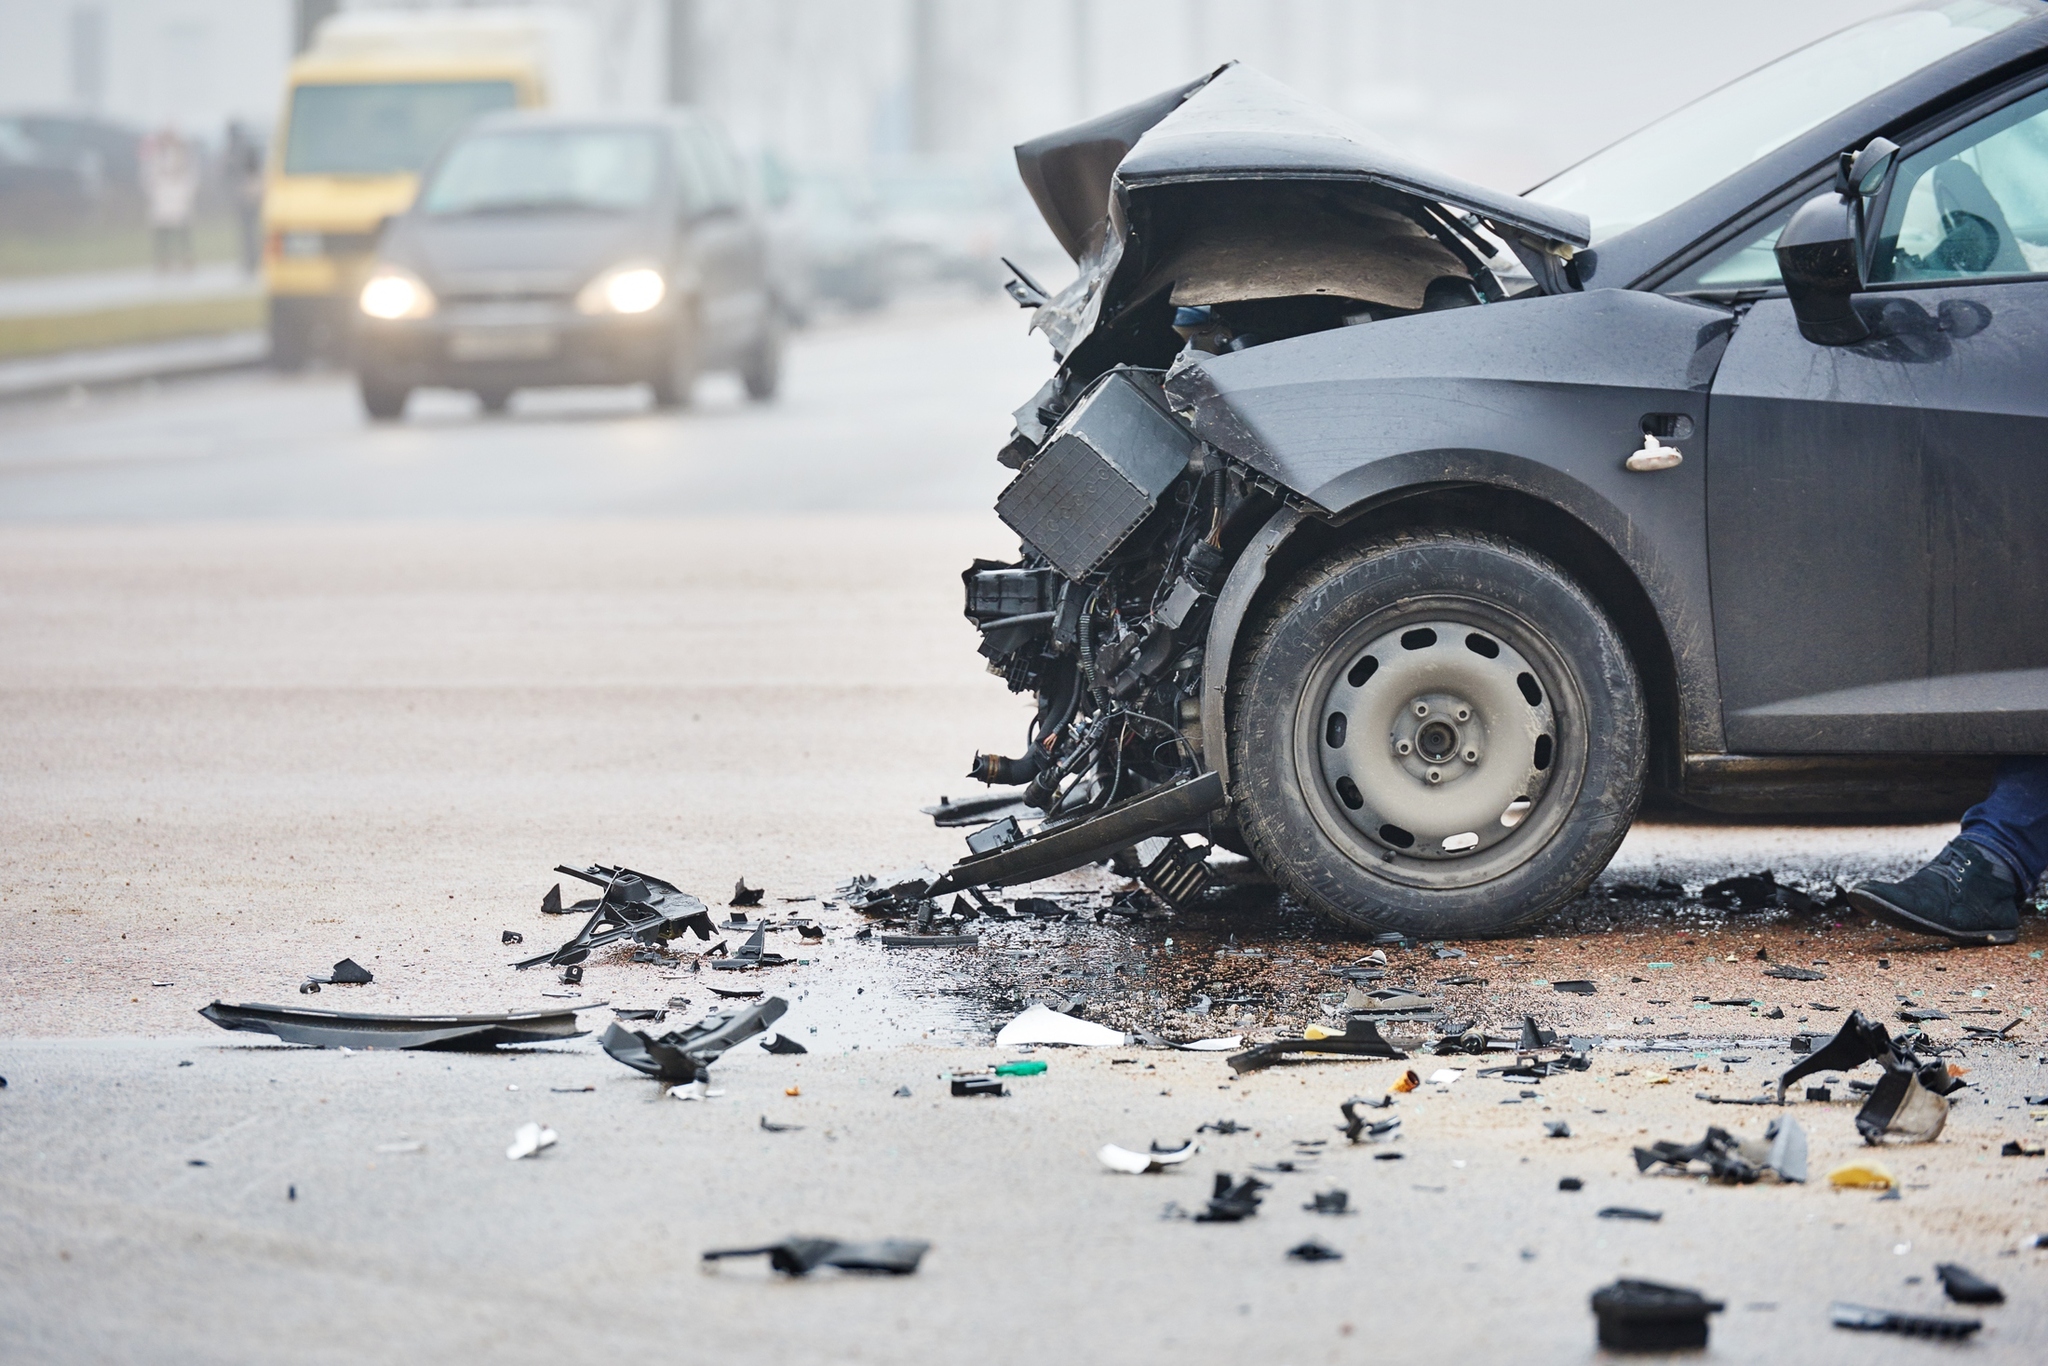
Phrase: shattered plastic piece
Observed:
(512, 937)
(1229, 1203)
(770, 1126)
(752, 954)
(1042, 1025)
(1576, 988)
(1965, 1286)
(1030, 1067)
(782, 1043)
(929, 941)
(811, 931)
(1313, 1251)
(1445, 1076)
(530, 1139)
(1900, 1107)
(2015, 1148)
(734, 994)
(572, 975)
(1648, 1216)
(1862, 1174)
(1665, 890)
(1329, 1202)
(1789, 973)
(1137, 1164)
(1787, 1155)
(979, 1086)
(1868, 1320)
(743, 895)
(1921, 1014)
(1643, 1316)
(342, 1029)
(1570, 1183)
(694, 1090)
(1217, 1045)
(347, 973)
(1557, 1128)
(1222, 1126)
(1178, 873)
(801, 1256)
(1754, 892)
(1390, 1001)
(902, 1092)
(685, 1055)
(1358, 1129)
(632, 906)
(1360, 1039)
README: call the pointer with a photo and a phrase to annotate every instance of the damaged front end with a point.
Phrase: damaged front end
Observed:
(1220, 216)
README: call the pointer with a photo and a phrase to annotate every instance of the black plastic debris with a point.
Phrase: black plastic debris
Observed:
(1731, 1160)
(632, 906)
(1644, 1316)
(1556, 1128)
(340, 1029)
(1648, 1216)
(1908, 1102)
(1576, 987)
(1222, 1126)
(1175, 871)
(1664, 890)
(929, 941)
(736, 993)
(801, 1256)
(1231, 1202)
(1790, 973)
(811, 931)
(1313, 1251)
(512, 937)
(1360, 1039)
(1986, 1032)
(979, 1086)
(347, 973)
(782, 1043)
(1570, 1183)
(1867, 1320)
(1921, 1014)
(572, 975)
(743, 895)
(1359, 1129)
(751, 955)
(770, 1126)
(2014, 1148)
(645, 1013)
(1754, 892)
(901, 1092)
(686, 1054)
(1329, 1202)
(1965, 1286)
(1040, 908)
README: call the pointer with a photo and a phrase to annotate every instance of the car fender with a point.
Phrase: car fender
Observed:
(1542, 398)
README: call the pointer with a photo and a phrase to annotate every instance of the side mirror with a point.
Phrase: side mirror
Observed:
(1821, 252)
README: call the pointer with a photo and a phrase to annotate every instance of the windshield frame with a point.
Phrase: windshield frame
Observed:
(297, 118)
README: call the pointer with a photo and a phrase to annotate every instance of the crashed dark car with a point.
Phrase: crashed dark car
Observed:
(1407, 536)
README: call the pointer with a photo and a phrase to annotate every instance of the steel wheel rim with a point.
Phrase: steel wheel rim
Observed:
(1494, 811)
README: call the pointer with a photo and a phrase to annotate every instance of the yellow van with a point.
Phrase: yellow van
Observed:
(366, 107)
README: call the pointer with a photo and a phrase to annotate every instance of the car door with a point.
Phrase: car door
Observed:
(720, 242)
(1878, 513)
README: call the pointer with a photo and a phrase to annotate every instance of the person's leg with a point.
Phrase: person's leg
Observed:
(1971, 891)
(2012, 822)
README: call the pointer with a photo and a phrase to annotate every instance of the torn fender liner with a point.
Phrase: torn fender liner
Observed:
(801, 1256)
(1643, 1316)
(1909, 1102)
(686, 1055)
(342, 1029)
(1070, 847)
(1360, 1039)
(632, 906)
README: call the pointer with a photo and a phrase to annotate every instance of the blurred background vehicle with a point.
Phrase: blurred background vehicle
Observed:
(374, 98)
(551, 249)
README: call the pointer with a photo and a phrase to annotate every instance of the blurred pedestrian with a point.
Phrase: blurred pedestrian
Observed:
(170, 184)
(242, 173)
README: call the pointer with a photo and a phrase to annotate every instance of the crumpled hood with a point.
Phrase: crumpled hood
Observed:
(1234, 126)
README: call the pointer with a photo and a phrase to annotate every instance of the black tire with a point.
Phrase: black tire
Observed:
(383, 399)
(676, 379)
(761, 372)
(494, 400)
(1568, 757)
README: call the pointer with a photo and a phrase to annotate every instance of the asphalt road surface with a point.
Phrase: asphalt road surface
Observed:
(280, 687)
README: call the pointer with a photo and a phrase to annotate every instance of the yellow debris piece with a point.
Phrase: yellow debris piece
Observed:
(1657, 1078)
(1409, 1081)
(1863, 1175)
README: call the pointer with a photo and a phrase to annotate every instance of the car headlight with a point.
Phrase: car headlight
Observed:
(628, 289)
(394, 293)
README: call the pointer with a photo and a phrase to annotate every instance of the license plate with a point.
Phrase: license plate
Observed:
(502, 343)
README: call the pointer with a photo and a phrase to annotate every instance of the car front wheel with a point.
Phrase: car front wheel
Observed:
(383, 399)
(1438, 733)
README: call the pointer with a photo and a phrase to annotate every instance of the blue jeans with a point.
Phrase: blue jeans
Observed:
(2012, 822)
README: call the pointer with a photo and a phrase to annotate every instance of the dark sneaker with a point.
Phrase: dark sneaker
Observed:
(1965, 895)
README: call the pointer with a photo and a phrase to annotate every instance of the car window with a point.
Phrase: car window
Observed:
(536, 170)
(1749, 262)
(1974, 204)
(385, 127)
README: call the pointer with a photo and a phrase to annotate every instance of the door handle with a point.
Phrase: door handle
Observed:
(1654, 456)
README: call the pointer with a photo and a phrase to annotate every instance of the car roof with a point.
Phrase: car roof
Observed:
(663, 122)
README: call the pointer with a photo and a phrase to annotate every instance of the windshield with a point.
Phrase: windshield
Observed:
(383, 128)
(556, 168)
(1655, 170)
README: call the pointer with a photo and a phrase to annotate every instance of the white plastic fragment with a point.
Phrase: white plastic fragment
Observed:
(1124, 1160)
(1040, 1024)
(1444, 1076)
(530, 1139)
(694, 1090)
(1211, 1045)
